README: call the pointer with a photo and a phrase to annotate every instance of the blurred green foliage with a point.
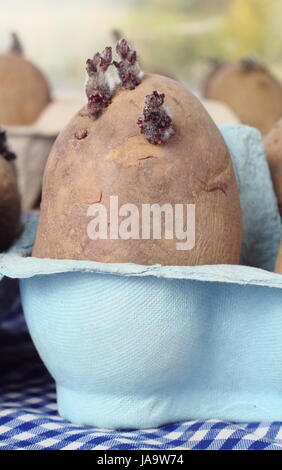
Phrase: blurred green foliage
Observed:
(181, 36)
(247, 27)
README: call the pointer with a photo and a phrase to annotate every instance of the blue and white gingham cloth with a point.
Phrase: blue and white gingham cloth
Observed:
(29, 419)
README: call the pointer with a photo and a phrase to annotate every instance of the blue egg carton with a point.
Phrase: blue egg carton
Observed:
(133, 346)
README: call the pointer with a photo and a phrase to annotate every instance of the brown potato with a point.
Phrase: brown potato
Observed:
(278, 266)
(250, 90)
(95, 159)
(215, 67)
(273, 149)
(24, 92)
(10, 207)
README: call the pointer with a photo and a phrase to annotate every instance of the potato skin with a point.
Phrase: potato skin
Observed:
(194, 166)
(10, 207)
(208, 80)
(273, 149)
(255, 96)
(24, 92)
(278, 266)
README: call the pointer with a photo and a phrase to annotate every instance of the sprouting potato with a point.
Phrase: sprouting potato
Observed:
(147, 141)
(24, 91)
(249, 89)
(273, 150)
(10, 207)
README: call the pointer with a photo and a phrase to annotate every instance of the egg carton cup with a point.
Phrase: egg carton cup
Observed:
(220, 112)
(32, 145)
(9, 286)
(133, 346)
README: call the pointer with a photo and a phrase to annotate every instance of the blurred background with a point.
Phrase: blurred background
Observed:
(176, 36)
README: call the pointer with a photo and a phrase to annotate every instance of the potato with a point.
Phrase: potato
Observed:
(278, 267)
(273, 149)
(94, 159)
(10, 207)
(215, 67)
(24, 92)
(250, 90)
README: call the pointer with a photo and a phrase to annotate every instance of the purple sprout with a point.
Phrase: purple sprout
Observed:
(98, 90)
(16, 45)
(4, 150)
(250, 64)
(156, 123)
(128, 68)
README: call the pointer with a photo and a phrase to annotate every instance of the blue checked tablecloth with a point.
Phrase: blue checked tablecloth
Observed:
(29, 419)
